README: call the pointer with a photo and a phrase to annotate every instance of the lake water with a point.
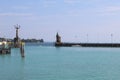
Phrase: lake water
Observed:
(64, 63)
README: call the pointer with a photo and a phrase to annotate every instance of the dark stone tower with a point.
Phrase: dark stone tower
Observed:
(17, 39)
(58, 39)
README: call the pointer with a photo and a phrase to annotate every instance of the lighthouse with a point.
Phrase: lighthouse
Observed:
(58, 39)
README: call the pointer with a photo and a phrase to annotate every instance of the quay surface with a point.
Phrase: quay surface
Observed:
(87, 44)
(5, 51)
(5, 47)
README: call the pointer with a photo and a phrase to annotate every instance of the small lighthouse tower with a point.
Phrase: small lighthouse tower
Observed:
(58, 39)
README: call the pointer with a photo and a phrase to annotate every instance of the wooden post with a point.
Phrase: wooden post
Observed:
(22, 50)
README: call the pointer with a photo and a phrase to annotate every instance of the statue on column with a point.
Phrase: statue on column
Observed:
(17, 39)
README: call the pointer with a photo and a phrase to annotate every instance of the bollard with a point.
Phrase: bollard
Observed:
(22, 50)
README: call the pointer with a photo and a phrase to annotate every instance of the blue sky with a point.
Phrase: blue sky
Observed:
(75, 20)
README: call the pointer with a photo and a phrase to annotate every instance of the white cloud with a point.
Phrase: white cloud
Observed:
(49, 3)
(81, 1)
(21, 7)
(98, 11)
(16, 14)
(109, 10)
(113, 8)
(71, 1)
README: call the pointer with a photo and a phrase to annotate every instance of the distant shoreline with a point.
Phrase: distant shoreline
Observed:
(24, 40)
(32, 40)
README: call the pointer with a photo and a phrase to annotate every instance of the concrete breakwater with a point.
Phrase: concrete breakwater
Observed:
(59, 43)
(87, 44)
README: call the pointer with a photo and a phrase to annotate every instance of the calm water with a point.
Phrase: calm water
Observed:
(66, 63)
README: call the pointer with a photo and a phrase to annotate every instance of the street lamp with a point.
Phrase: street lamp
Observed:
(87, 38)
(111, 38)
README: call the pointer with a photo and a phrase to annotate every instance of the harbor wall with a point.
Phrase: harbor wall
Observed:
(87, 44)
